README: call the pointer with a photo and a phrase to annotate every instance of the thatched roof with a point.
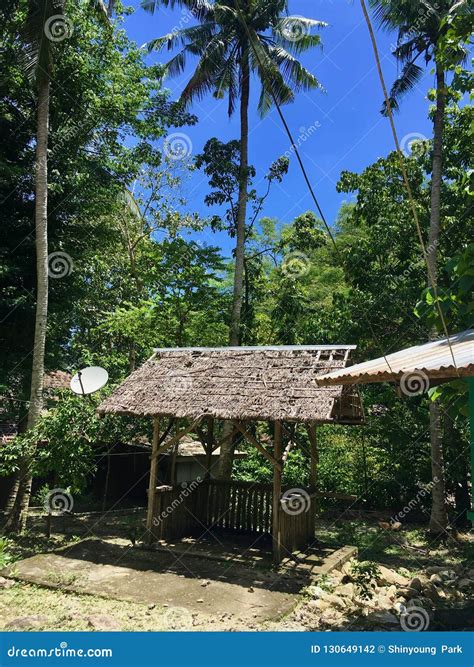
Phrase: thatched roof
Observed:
(258, 383)
(57, 380)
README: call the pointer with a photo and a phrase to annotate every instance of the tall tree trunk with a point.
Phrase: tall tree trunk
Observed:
(242, 206)
(227, 450)
(439, 515)
(16, 520)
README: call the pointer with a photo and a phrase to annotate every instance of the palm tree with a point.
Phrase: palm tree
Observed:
(45, 25)
(421, 27)
(233, 40)
(37, 58)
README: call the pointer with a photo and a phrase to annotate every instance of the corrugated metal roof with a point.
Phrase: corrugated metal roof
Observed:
(434, 359)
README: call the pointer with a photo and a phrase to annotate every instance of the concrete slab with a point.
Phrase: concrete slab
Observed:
(114, 570)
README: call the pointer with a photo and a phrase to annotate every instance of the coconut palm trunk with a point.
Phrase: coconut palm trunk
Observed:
(226, 457)
(16, 519)
(242, 206)
(439, 516)
(235, 39)
(421, 34)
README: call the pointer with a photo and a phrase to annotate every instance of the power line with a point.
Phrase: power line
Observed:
(431, 278)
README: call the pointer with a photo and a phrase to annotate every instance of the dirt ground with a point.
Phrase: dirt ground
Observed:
(106, 584)
(161, 592)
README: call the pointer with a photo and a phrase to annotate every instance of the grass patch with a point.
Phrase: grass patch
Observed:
(412, 548)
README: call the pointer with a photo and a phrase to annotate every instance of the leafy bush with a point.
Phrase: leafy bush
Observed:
(363, 575)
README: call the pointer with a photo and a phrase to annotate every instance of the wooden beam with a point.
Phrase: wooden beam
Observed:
(153, 476)
(211, 444)
(294, 439)
(277, 440)
(174, 454)
(291, 441)
(176, 438)
(314, 456)
(253, 441)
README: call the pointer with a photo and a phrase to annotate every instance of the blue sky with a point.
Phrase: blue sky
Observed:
(346, 130)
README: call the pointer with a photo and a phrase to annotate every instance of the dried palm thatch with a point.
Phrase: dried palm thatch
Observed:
(260, 383)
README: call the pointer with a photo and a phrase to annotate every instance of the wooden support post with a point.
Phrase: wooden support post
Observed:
(153, 476)
(277, 445)
(173, 457)
(172, 472)
(314, 456)
(209, 446)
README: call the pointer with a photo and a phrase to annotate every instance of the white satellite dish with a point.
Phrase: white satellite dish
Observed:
(89, 380)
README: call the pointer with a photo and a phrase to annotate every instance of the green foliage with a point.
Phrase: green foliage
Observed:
(363, 574)
(102, 93)
(434, 31)
(69, 439)
(6, 558)
(454, 300)
(142, 278)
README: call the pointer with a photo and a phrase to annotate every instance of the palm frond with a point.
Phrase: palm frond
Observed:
(201, 10)
(221, 42)
(273, 86)
(410, 49)
(129, 202)
(227, 81)
(292, 70)
(176, 65)
(294, 33)
(198, 36)
(392, 15)
(36, 57)
(409, 76)
(204, 79)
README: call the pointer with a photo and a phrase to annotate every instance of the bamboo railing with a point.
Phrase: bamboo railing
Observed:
(234, 506)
